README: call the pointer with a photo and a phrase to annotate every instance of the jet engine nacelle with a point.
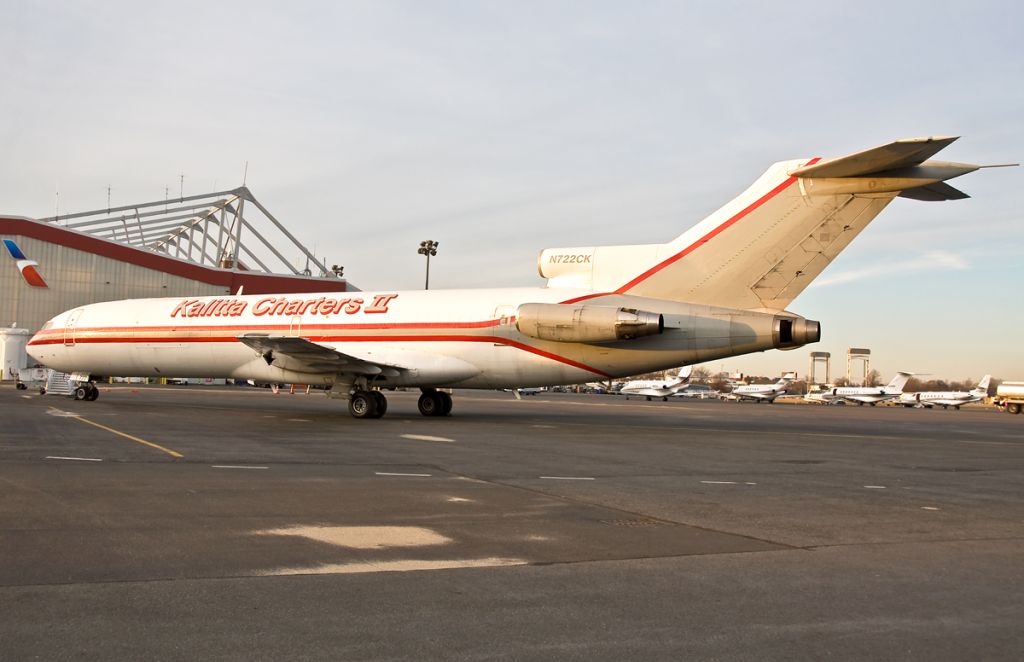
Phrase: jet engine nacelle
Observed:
(793, 332)
(586, 324)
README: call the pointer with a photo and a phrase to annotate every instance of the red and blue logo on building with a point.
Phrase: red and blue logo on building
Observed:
(27, 266)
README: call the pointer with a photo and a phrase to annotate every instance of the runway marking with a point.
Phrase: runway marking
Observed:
(719, 482)
(426, 437)
(544, 427)
(458, 500)
(386, 473)
(235, 466)
(57, 412)
(79, 459)
(301, 420)
(26, 397)
(364, 537)
(928, 508)
(874, 487)
(395, 566)
(566, 478)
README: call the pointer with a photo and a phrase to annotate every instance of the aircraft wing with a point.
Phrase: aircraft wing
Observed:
(301, 355)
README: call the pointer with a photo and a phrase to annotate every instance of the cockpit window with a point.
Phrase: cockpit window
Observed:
(48, 325)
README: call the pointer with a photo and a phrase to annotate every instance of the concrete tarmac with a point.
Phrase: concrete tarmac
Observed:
(232, 523)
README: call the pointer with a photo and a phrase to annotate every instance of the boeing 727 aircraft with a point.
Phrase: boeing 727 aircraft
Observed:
(763, 392)
(720, 289)
(657, 388)
(947, 399)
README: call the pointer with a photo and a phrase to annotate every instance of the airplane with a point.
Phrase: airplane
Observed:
(862, 395)
(762, 392)
(947, 399)
(657, 388)
(720, 289)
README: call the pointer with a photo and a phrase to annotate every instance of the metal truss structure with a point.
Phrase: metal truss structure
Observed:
(211, 229)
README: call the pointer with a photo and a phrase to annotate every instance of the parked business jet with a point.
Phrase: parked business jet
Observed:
(947, 399)
(657, 388)
(720, 289)
(863, 395)
(763, 392)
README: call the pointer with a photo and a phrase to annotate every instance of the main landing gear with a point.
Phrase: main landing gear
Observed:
(366, 403)
(435, 403)
(86, 391)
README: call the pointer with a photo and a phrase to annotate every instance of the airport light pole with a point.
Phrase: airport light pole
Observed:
(428, 248)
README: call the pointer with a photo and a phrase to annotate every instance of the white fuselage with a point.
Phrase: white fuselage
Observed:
(760, 393)
(941, 398)
(465, 338)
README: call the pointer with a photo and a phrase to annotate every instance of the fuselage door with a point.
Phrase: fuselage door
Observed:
(70, 326)
(295, 327)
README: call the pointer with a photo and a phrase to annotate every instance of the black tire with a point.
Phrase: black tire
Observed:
(664, 398)
(381, 403)
(1013, 408)
(362, 404)
(430, 404)
(81, 393)
(20, 386)
(446, 403)
(648, 398)
(93, 394)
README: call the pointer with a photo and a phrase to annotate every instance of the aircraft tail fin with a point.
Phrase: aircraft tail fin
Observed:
(899, 381)
(762, 249)
(982, 387)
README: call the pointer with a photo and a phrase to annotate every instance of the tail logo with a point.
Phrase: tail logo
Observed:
(26, 266)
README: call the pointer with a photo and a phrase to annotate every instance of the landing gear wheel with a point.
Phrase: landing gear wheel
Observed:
(362, 404)
(430, 403)
(648, 398)
(446, 403)
(381, 402)
(664, 398)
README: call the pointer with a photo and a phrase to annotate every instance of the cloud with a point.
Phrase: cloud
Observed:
(931, 261)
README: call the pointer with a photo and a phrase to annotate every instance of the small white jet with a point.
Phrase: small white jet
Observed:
(862, 395)
(657, 388)
(762, 392)
(947, 399)
(720, 289)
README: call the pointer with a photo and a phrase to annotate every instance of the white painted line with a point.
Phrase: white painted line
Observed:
(78, 459)
(385, 473)
(235, 466)
(301, 420)
(566, 478)
(928, 508)
(874, 487)
(426, 437)
(718, 482)
(26, 397)
(543, 427)
(750, 483)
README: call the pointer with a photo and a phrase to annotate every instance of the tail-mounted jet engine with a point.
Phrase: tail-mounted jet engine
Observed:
(793, 332)
(586, 324)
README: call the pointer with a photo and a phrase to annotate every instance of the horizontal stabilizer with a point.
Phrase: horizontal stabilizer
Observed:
(897, 154)
(934, 193)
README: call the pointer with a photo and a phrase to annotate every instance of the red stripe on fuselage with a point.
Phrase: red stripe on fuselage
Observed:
(80, 340)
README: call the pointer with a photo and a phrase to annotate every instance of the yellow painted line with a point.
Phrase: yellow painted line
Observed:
(128, 436)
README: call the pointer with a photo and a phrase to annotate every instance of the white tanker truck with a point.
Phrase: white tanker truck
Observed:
(1010, 395)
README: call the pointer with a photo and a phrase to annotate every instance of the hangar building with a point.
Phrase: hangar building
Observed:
(207, 244)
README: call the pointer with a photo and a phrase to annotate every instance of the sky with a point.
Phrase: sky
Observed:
(499, 129)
